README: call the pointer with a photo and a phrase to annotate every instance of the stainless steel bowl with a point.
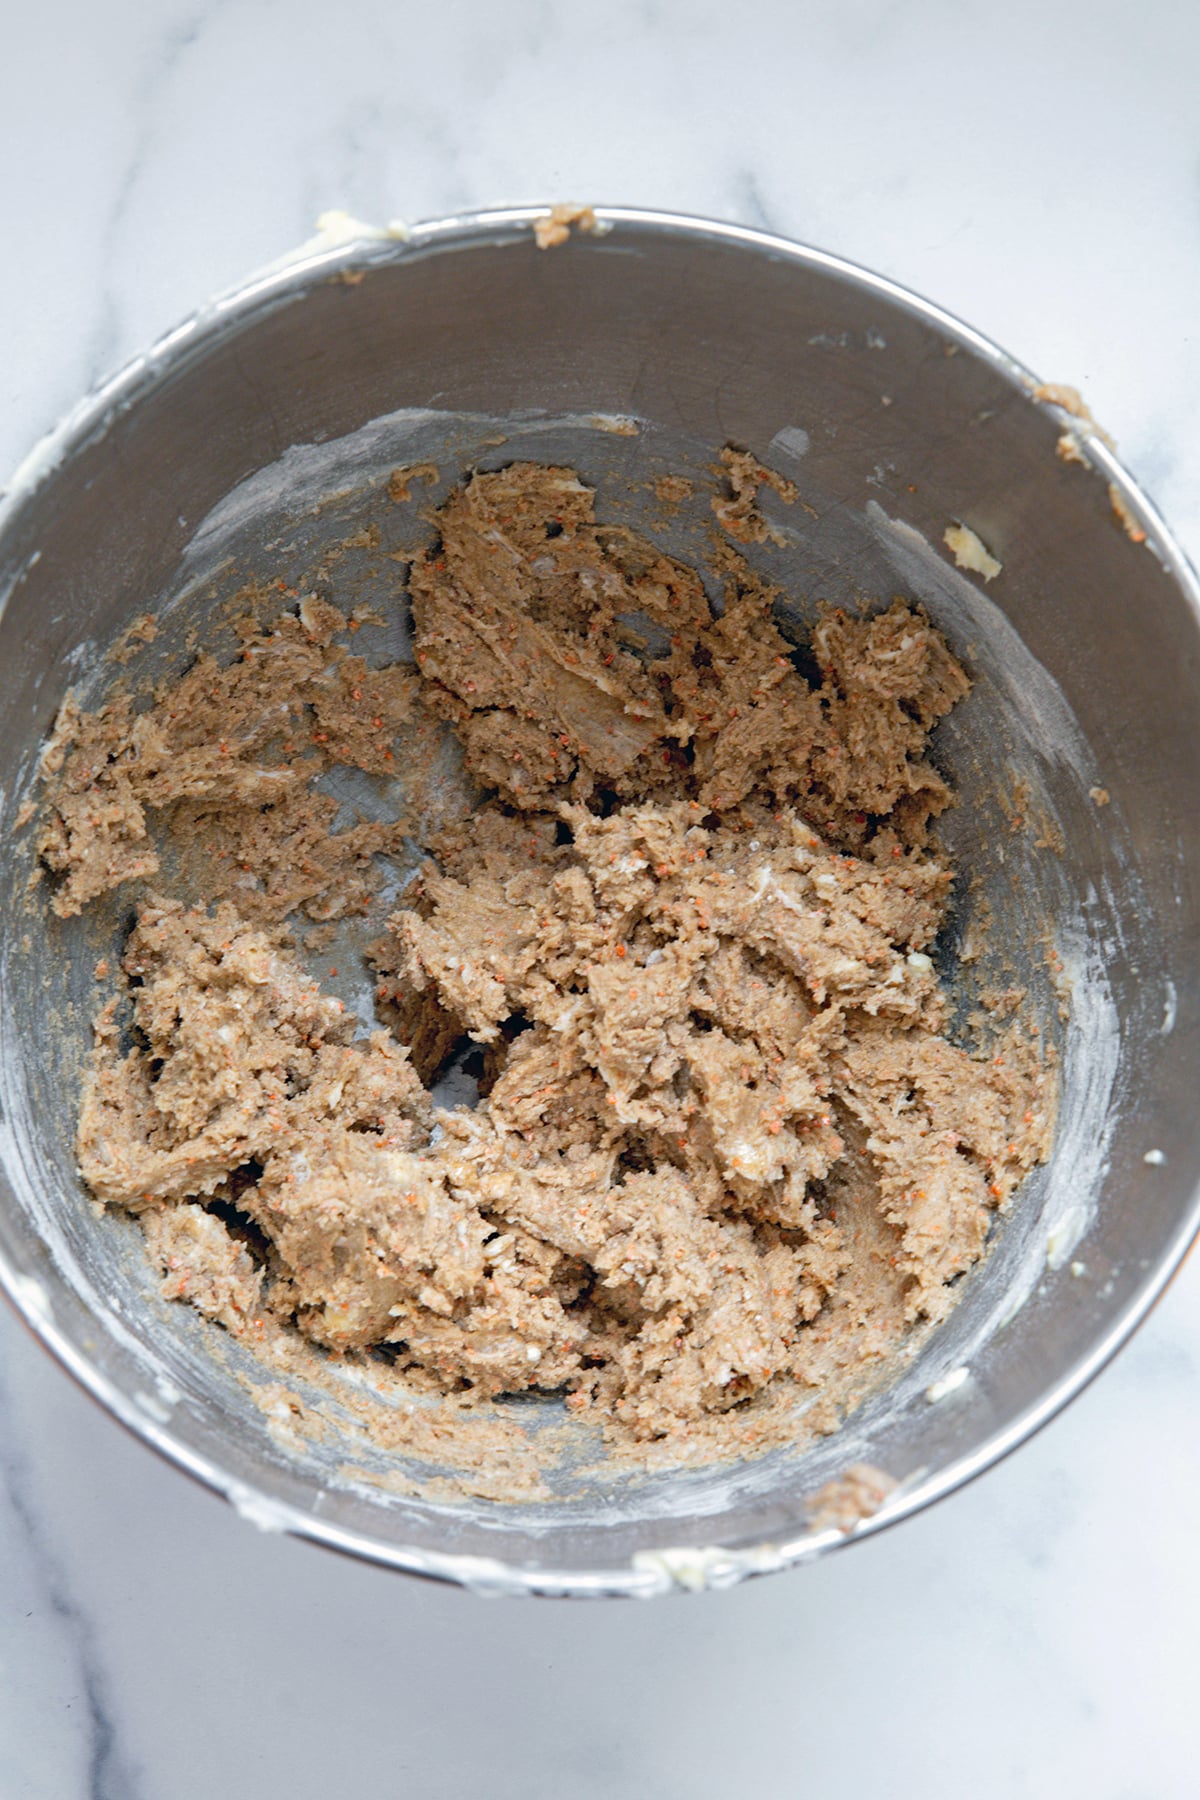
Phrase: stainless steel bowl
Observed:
(895, 421)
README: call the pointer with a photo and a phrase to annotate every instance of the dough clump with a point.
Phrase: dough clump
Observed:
(724, 1151)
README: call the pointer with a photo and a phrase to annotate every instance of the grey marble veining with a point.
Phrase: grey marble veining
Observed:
(52, 1645)
(1037, 170)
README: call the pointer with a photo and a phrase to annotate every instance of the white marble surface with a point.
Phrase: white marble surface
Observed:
(1037, 169)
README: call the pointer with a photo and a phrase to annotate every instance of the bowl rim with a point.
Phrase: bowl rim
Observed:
(351, 245)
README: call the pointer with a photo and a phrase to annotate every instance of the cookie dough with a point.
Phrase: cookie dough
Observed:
(724, 1153)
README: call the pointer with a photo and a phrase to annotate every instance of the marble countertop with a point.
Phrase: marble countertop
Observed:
(1035, 169)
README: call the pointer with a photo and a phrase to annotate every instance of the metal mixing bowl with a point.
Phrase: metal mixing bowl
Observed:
(894, 421)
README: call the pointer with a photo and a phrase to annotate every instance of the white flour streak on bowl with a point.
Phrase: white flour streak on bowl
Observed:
(792, 441)
(1091, 1058)
(1170, 1008)
(309, 475)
